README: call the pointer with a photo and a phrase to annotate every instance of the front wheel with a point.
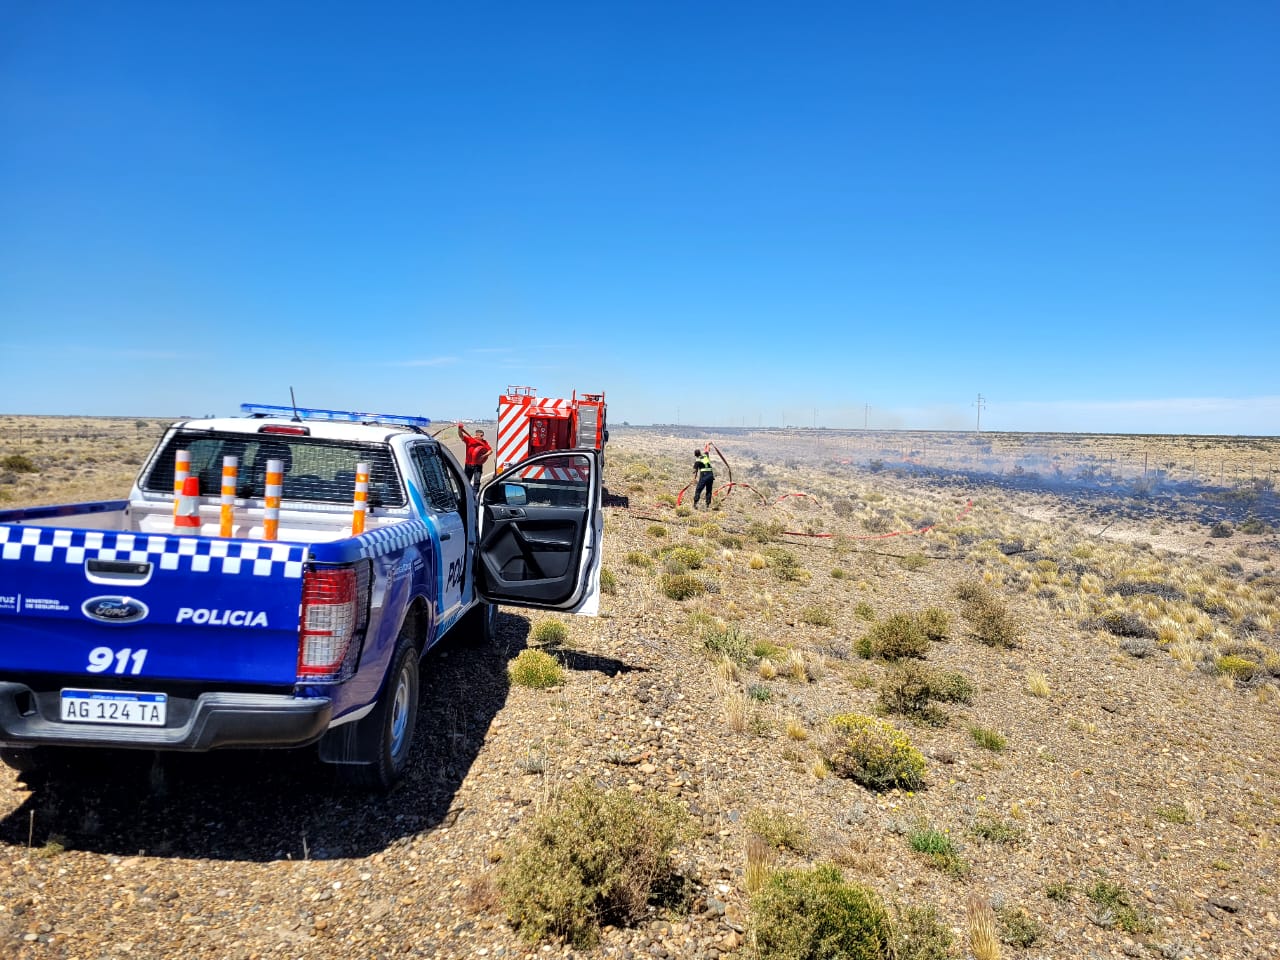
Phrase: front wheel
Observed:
(394, 720)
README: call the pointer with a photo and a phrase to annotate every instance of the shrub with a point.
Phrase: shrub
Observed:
(1124, 623)
(951, 688)
(1018, 928)
(657, 530)
(814, 914)
(757, 561)
(818, 616)
(533, 668)
(608, 581)
(934, 623)
(1237, 667)
(990, 827)
(1112, 907)
(939, 848)
(549, 633)
(1221, 530)
(638, 558)
(592, 858)
(837, 573)
(919, 935)
(907, 689)
(18, 463)
(729, 642)
(914, 561)
(1255, 527)
(988, 738)
(898, 636)
(993, 625)
(875, 754)
(681, 586)
(779, 829)
(687, 557)
(864, 611)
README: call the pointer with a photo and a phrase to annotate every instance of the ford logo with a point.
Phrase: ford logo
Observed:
(114, 609)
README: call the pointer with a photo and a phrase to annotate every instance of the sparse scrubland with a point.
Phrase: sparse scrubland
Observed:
(1048, 727)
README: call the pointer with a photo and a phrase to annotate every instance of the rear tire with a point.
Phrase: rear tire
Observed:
(395, 719)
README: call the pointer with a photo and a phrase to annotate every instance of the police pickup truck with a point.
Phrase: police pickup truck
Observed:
(119, 629)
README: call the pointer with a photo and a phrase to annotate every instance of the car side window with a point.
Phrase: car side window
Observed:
(435, 484)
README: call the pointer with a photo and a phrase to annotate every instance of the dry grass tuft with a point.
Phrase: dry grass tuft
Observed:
(984, 930)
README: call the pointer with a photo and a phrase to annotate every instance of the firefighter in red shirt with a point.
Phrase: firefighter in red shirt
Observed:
(478, 451)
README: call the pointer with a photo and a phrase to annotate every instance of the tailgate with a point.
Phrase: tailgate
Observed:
(151, 607)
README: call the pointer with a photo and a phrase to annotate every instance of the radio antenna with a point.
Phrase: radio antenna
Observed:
(294, 403)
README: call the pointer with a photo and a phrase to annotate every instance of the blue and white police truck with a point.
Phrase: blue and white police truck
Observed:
(118, 632)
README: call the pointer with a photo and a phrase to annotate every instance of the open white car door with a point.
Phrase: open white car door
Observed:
(541, 531)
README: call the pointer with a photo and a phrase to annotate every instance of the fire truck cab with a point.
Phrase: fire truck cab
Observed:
(529, 424)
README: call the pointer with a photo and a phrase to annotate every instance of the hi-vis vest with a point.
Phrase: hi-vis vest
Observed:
(704, 463)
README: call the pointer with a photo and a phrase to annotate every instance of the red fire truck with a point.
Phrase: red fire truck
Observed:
(529, 424)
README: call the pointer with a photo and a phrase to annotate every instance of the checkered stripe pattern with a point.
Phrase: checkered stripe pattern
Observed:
(193, 554)
(513, 425)
(399, 536)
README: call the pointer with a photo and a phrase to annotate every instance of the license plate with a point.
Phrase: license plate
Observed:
(129, 709)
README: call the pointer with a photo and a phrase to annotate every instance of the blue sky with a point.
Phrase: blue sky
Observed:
(717, 213)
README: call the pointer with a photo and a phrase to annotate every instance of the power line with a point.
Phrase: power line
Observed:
(980, 403)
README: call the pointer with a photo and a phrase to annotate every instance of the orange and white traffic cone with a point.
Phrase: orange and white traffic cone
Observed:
(181, 470)
(360, 501)
(187, 519)
(230, 471)
(271, 499)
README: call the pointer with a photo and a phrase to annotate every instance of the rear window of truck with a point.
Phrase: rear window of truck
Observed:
(315, 470)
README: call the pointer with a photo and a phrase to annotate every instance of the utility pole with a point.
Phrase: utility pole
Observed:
(979, 404)
(866, 415)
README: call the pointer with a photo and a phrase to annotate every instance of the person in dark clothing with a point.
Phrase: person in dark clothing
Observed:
(478, 451)
(705, 476)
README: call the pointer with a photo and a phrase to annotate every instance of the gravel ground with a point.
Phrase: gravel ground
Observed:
(245, 855)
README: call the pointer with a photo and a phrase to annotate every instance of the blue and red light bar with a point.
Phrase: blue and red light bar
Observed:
(341, 416)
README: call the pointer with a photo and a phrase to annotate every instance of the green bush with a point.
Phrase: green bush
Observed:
(995, 627)
(898, 636)
(608, 581)
(533, 668)
(939, 848)
(18, 463)
(814, 914)
(1018, 928)
(875, 754)
(591, 859)
(731, 642)
(687, 557)
(549, 633)
(864, 611)
(1113, 907)
(951, 688)
(779, 829)
(934, 623)
(638, 558)
(681, 586)
(657, 530)
(919, 935)
(1221, 530)
(914, 561)
(817, 615)
(988, 738)
(909, 689)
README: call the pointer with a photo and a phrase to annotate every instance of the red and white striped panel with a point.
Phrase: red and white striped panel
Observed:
(513, 425)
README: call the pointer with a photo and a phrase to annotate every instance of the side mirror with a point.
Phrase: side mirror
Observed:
(514, 495)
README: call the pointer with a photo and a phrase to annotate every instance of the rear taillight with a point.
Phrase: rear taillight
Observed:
(334, 601)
